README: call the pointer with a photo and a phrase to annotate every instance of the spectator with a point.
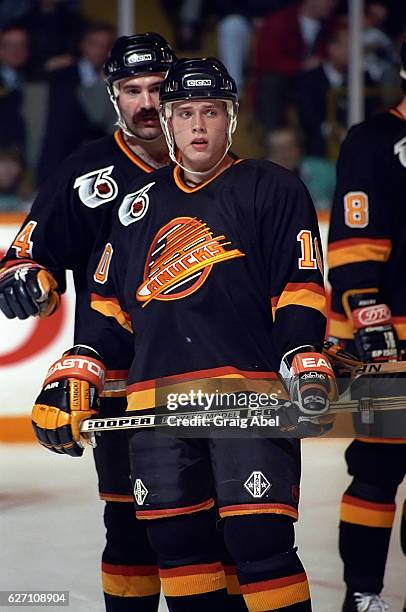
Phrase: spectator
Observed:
(289, 40)
(61, 22)
(78, 107)
(14, 57)
(313, 87)
(284, 147)
(380, 57)
(12, 198)
(235, 24)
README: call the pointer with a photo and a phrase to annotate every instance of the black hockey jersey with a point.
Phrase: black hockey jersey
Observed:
(73, 208)
(367, 239)
(217, 280)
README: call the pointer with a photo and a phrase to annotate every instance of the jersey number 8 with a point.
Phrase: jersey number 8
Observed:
(356, 213)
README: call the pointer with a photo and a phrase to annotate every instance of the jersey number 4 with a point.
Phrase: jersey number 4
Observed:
(22, 243)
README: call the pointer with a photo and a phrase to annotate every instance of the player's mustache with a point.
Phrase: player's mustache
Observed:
(147, 114)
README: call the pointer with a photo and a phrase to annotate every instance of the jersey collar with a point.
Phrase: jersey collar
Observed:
(182, 185)
(118, 137)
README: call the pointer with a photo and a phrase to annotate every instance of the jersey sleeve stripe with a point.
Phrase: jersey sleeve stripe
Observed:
(147, 395)
(355, 250)
(225, 371)
(110, 307)
(399, 323)
(309, 295)
(340, 327)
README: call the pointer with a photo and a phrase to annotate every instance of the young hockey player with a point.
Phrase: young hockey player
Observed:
(72, 208)
(367, 250)
(215, 265)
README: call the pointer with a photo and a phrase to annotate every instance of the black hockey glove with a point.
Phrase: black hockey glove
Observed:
(374, 335)
(68, 397)
(27, 289)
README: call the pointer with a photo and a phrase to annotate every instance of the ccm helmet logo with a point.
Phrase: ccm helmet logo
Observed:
(136, 58)
(199, 83)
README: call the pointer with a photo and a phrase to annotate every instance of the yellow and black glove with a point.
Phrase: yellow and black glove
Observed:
(70, 395)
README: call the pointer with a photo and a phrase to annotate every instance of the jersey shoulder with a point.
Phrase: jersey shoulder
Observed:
(266, 171)
(89, 153)
(270, 187)
(377, 133)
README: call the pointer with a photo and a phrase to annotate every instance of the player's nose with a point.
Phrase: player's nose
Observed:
(199, 124)
(147, 101)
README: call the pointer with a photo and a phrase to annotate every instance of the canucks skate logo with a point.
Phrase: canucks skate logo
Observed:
(400, 150)
(134, 205)
(180, 258)
(96, 187)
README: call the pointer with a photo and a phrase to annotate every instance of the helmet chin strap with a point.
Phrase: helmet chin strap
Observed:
(164, 116)
(124, 127)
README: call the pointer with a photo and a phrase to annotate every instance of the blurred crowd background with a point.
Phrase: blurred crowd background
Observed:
(288, 57)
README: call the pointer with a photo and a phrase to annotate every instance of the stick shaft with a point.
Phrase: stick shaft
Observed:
(160, 420)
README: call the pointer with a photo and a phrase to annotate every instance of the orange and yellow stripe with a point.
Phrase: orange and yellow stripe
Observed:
(143, 395)
(309, 295)
(233, 586)
(369, 514)
(355, 250)
(169, 512)
(340, 326)
(110, 307)
(241, 509)
(130, 580)
(276, 593)
(193, 579)
(116, 497)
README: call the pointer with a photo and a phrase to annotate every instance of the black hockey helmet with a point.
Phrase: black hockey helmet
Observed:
(136, 55)
(198, 78)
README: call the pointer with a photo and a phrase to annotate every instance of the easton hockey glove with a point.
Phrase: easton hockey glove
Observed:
(27, 289)
(374, 335)
(310, 381)
(69, 396)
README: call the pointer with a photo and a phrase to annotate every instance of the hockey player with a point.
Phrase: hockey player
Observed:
(215, 264)
(72, 208)
(367, 251)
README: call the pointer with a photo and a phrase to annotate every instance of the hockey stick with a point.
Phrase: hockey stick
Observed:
(362, 406)
(386, 367)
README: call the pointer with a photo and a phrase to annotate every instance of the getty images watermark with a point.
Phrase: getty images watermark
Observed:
(221, 409)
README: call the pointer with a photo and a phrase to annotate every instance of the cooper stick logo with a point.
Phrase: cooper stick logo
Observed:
(180, 259)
